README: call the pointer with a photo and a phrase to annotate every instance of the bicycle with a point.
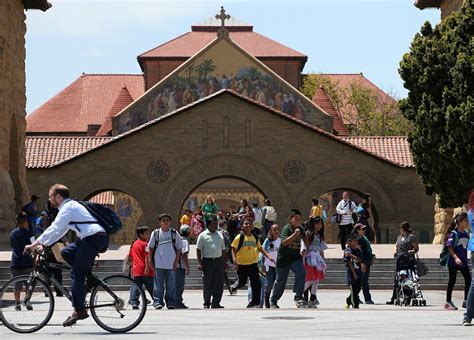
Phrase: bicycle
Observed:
(27, 303)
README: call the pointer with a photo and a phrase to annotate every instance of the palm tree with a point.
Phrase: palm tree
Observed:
(207, 66)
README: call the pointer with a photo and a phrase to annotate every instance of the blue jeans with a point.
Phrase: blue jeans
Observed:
(270, 280)
(80, 256)
(146, 281)
(297, 268)
(180, 281)
(365, 284)
(469, 315)
(164, 277)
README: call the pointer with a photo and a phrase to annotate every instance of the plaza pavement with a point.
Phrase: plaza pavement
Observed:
(330, 321)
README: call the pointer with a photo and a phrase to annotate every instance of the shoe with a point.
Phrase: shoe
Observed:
(76, 316)
(134, 306)
(356, 307)
(347, 306)
(370, 302)
(251, 305)
(171, 307)
(148, 301)
(206, 306)
(390, 302)
(464, 304)
(182, 306)
(28, 305)
(274, 305)
(466, 322)
(158, 306)
(312, 304)
(216, 306)
(360, 302)
(300, 303)
(450, 306)
(316, 302)
(18, 307)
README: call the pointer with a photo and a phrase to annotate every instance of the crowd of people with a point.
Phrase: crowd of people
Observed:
(248, 238)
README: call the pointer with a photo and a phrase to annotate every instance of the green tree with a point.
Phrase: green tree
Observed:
(438, 72)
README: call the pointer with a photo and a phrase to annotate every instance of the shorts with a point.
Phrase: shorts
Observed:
(20, 271)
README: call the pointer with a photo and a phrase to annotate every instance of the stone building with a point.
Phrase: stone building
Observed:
(446, 6)
(12, 108)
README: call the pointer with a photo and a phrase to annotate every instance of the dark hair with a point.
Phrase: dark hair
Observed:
(21, 217)
(141, 230)
(294, 212)
(352, 238)
(61, 190)
(255, 204)
(406, 227)
(458, 218)
(245, 202)
(268, 202)
(315, 200)
(309, 228)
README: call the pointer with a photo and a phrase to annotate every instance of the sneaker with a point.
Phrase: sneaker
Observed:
(171, 307)
(18, 307)
(450, 306)
(464, 304)
(370, 302)
(347, 306)
(466, 322)
(134, 306)
(28, 305)
(300, 303)
(206, 306)
(274, 305)
(158, 306)
(312, 304)
(390, 302)
(182, 306)
(76, 316)
(216, 306)
(250, 305)
(316, 302)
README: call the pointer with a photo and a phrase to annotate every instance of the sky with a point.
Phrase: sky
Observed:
(106, 36)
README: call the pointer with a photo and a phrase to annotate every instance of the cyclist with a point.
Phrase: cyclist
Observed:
(80, 255)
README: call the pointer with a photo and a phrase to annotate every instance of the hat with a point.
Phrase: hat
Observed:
(185, 230)
(359, 226)
(163, 215)
(34, 197)
(211, 218)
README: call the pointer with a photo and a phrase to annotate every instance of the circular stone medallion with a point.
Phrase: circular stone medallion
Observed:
(294, 171)
(158, 171)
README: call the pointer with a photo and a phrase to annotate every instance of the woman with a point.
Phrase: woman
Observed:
(367, 257)
(245, 211)
(456, 239)
(406, 244)
(209, 209)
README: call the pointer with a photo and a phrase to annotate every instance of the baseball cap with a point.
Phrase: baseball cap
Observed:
(184, 230)
(163, 215)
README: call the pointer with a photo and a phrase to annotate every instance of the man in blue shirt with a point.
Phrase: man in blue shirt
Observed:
(80, 255)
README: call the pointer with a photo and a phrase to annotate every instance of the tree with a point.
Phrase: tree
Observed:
(438, 72)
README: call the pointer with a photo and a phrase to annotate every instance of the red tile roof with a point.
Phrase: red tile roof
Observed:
(43, 152)
(51, 151)
(124, 98)
(85, 101)
(190, 43)
(323, 101)
(396, 149)
(104, 198)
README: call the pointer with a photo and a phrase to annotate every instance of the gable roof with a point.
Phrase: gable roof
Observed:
(87, 100)
(45, 152)
(322, 99)
(124, 98)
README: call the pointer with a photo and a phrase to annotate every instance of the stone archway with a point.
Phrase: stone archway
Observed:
(96, 182)
(237, 167)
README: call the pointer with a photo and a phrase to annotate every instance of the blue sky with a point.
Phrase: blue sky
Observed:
(105, 36)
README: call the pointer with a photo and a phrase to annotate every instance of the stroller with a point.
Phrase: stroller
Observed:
(408, 289)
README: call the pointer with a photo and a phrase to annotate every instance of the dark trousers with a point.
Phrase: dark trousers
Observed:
(453, 271)
(250, 271)
(180, 275)
(353, 298)
(146, 281)
(365, 284)
(266, 228)
(213, 280)
(344, 232)
(57, 272)
(80, 256)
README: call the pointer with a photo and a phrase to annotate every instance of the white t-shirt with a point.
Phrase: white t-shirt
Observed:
(272, 251)
(257, 223)
(165, 253)
(184, 252)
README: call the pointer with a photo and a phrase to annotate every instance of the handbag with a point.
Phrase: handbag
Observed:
(421, 267)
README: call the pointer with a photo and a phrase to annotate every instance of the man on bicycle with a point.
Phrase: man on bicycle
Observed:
(80, 255)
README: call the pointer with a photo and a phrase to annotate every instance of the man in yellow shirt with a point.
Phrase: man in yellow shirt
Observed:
(245, 249)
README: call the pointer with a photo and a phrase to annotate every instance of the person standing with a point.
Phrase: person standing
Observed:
(457, 239)
(209, 209)
(345, 208)
(367, 257)
(165, 250)
(289, 258)
(271, 244)
(355, 266)
(183, 268)
(269, 217)
(257, 223)
(212, 261)
(31, 210)
(21, 264)
(186, 218)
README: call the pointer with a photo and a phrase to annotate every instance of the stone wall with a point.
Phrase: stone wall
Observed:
(449, 6)
(12, 112)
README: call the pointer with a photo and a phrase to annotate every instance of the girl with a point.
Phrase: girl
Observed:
(456, 239)
(271, 245)
(313, 255)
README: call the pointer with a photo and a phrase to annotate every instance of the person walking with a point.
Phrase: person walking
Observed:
(345, 208)
(289, 258)
(31, 210)
(212, 261)
(269, 217)
(271, 244)
(209, 209)
(457, 239)
(355, 266)
(367, 257)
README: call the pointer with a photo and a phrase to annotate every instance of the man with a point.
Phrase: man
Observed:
(80, 255)
(257, 222)
(31, 210)
(345, 208)
(269, 217)
(165, 247)
(289, 258)
(212, 261)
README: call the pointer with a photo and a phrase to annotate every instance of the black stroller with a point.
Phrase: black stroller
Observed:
(408, 289)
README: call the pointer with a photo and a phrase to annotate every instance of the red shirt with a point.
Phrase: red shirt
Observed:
(139, 255)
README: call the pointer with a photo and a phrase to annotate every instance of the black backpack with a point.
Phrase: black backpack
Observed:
(104, 216)
(241, 241)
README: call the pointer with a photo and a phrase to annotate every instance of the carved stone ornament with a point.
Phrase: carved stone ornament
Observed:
(158, 171)
(294, 171)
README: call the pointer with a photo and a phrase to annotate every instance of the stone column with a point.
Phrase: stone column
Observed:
(442, 219)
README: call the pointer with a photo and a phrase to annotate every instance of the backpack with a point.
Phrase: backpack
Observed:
(270, 214)
(103, 215)
(241, 241)
(156, 235)
(445, 254)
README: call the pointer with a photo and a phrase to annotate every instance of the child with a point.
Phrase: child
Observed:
(314, 262)
(355, 267)
(271, 245)
(183, 266)
(245, 248)
(141, 271)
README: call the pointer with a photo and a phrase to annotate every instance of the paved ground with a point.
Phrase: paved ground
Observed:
(331, 320)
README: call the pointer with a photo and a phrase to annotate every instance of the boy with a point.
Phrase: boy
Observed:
(142, 272)
(355, 267)
(183, 268)
(165, 251)
(245, 248)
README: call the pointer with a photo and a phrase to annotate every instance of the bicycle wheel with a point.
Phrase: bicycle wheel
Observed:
(26, 305)
(116, 313)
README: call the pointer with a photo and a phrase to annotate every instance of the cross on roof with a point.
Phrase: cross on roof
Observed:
(222, 16)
